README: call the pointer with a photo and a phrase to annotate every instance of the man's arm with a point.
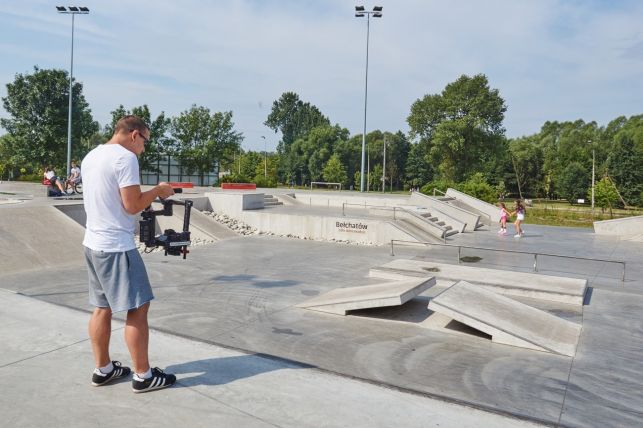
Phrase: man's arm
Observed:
(136, 201)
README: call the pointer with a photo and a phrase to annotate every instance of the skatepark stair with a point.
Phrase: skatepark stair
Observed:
(270, 200)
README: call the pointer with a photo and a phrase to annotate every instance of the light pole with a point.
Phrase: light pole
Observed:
(360, 12)
(593, 165)
(265, 158)
(73, 11)
(384, 168)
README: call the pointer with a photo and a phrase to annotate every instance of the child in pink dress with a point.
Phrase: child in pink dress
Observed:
(503, 219)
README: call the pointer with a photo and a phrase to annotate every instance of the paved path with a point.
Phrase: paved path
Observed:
(46, 363)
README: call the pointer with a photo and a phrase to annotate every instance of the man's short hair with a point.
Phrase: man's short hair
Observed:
(130, 123)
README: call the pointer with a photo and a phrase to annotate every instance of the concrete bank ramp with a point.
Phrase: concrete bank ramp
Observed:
(38, 237)
(394, 293)
(626, 228)
(507, 321)
(523, 284)
(290, 199)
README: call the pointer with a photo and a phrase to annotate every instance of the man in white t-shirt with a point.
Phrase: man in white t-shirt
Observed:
(118, 280)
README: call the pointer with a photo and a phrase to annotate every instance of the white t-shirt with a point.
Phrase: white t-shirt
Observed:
(107, 169)
(49, 174)
(75, 170)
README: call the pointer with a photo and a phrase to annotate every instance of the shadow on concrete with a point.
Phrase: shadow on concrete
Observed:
(220, 371)
(256, 281)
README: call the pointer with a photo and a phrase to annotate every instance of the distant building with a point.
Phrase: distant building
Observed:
(170, 169)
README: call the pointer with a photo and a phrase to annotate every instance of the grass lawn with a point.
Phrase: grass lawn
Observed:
(561, 213)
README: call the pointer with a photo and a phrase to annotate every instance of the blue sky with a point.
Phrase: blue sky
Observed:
(550, 59)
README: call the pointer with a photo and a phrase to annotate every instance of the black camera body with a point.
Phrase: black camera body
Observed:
(174, 243)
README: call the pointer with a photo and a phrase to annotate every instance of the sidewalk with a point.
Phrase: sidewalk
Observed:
(46, 364)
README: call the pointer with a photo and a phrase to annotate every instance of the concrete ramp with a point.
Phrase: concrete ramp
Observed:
(629, 227)
(38, 237)
(477, 205)
(289, 199)
(523, 284)
(507, 321)
(342, 300)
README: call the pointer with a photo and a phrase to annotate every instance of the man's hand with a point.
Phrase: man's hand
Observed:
(164, 190)
(135, 201)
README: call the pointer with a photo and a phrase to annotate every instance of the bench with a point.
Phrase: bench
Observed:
(238, 186)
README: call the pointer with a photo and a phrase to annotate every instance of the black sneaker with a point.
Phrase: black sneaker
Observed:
(99, 379)
(159, 380)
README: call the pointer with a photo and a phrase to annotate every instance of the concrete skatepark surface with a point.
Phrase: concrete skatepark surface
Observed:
(228, 313)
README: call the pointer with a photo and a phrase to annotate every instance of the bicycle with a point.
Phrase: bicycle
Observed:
(73, 187)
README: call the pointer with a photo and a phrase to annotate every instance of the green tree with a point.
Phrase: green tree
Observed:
(574, 182)
(625, 161)
(334, 171)
(203, 140)
(462, 126)
(38, 107)
(605, 194)
(418, 167)
(160, 143)
(478, 187)
(527, 161)
(293, 118)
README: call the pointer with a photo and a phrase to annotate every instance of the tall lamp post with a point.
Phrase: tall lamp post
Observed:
(384, 168)
(73, 11)
(360, 12)
(265, 158)
(593, 174)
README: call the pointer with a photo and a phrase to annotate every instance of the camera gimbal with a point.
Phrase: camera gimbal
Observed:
(174, 243)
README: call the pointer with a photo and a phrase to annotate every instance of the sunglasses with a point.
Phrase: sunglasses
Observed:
(140, 134)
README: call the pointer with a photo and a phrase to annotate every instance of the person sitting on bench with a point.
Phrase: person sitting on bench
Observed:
(50, 175)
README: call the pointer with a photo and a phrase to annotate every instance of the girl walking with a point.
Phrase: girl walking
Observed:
(519, 211)
(503, 219)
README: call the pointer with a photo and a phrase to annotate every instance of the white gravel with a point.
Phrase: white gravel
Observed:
(244, 230)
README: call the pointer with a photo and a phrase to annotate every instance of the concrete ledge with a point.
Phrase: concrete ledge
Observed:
(484, 207)
(630, 226)
(342, 300)
(507, 321)
(523, 284)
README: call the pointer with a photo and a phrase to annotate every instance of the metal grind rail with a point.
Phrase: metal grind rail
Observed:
(443, 230)
(460, 247)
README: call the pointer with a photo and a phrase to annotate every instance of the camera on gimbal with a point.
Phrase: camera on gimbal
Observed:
(174, 243)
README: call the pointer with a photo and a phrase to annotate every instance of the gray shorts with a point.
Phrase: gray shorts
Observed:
(117, 280)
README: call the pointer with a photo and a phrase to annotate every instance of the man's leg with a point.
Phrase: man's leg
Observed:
(100, 330)
(137, 336)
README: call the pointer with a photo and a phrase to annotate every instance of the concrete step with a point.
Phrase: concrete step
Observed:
(272, 203)
(392, 293)
(506, 320)
(523, 284)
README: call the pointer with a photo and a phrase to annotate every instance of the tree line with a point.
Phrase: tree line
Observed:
(456, 139)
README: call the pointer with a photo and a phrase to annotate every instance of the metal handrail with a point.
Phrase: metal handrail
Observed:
(403, 210)
(438, 190)
(460, 247)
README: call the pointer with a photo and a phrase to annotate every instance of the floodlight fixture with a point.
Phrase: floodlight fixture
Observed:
(61, 8)
(84, 9)
(377, 8)
(359, 8)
